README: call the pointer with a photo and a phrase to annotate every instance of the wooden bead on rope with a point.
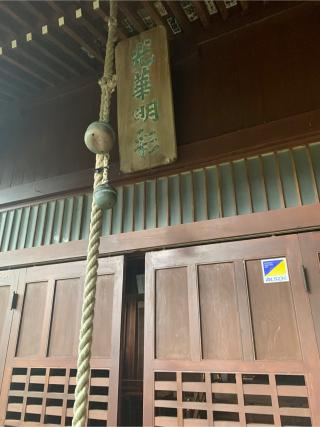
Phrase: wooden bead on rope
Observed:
(105, 196)
(99, 137)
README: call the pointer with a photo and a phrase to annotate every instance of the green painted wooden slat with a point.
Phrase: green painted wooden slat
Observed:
(187, 205)
(288, 179)
(315, 157)
(306, 181)
(15, 229)
(213, 193)
(273, 189)
(49, 222)
(32, 223)
(76, 218)
(128, 194)
(85, 224)
(257, 187)
(174, 200)
(242, 187)
(7, 232)
(3, 225)
(67, 219)
(151, 204)
(117, 213)
(23, 227)
(57, 222)
(227, 190)
(221, 190)
(200, 195)
(139, 206)
(39, 233)
(162, 202)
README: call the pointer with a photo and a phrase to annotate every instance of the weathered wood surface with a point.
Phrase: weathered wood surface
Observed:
(145, 109)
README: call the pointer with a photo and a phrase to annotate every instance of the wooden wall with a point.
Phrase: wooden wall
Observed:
(259, 74)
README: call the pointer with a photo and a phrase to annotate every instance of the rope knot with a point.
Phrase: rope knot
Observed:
(108, 84)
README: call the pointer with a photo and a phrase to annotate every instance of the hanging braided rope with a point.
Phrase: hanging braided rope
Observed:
(107, 84)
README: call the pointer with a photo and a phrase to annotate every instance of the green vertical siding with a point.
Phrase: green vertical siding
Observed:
(271, 181)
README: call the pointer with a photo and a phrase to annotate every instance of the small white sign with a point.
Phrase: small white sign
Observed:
(275, 270)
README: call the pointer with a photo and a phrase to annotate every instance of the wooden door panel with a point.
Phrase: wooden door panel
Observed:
(222, 318)
(8, 285)
(66, 311)
(172, 314)
(29, 342)
(249, 351)
(274, 322)
(40, 373)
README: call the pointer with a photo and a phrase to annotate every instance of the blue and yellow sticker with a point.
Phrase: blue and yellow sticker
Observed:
(275, 270)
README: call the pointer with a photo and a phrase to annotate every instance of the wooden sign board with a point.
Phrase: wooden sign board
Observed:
(145, 109)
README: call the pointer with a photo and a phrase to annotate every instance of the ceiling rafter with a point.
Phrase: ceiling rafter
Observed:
(20, 81)
(81, 19)
(46, 52)
(34, 74)
(40, 64)
(177, 11)
(79, 40)
(153, 14)
(202, 13)
(12, 87)
(135, 21)
(221, 6)
(62, 46)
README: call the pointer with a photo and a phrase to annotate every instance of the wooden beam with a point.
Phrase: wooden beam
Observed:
(284, 133)
(261, 224)
(38, 63)
(222, 9)
(153, 14)
(4, 7)
(35, 11)
(15, 63)
(12, 87)
(54, 40)
(135, 21)
(46, 52)
(20, 80)
(79, 40)
(81, 19)
(202, 12)
(176, 10)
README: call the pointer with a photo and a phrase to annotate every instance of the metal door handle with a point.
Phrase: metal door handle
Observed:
(305, 279)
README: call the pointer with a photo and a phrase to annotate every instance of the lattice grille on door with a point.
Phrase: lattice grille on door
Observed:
(230, 399)
(46, 396)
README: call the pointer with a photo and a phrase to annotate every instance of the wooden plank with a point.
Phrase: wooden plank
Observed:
(145, 111)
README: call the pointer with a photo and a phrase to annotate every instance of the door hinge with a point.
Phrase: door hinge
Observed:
(14, 301)
(305, 279)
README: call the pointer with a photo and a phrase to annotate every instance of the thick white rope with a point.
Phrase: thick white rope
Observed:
(107, 84)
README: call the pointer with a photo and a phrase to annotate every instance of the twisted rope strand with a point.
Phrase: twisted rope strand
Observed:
(107, 84)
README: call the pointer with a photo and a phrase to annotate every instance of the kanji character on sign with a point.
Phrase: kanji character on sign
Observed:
(145, 112)
(146, 142)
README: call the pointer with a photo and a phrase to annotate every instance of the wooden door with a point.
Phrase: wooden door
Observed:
(8, 285)
(221, 346)
(310, 249)
(40, 373)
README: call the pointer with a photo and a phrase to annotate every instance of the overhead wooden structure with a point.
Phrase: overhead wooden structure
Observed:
(49, 44)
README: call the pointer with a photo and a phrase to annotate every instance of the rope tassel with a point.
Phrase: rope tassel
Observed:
(107, 84)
